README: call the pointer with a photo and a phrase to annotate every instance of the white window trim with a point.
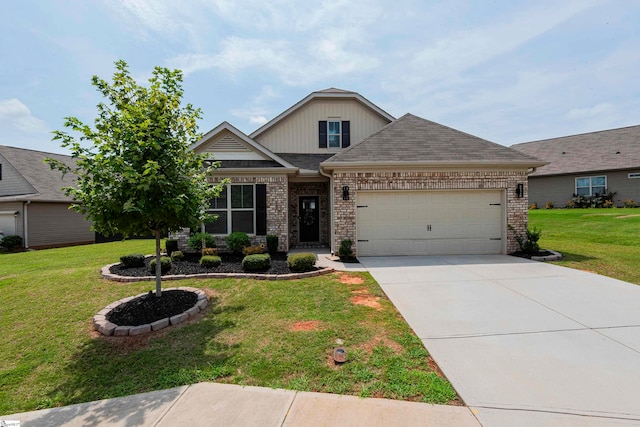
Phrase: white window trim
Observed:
(590, 183)
(334, 120)
(634, 175)
(229, 210)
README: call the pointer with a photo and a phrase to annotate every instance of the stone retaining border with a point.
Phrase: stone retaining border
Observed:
(106, 274)
(555, 256)
(102, 325)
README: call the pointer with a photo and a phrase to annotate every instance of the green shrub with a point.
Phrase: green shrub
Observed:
(301, 262)
(528, 243)
(272, 243)
(251, 250)
(195, 241)
(548, 205)
(177, 256)
(11, 242)
(257, 262)
(604, 200)
(171, 245)
(209, 251)
(238, 240)
(165, 265)
(210, 261)
(345, 251)
(132, 260)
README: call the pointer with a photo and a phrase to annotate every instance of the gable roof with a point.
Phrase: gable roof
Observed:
(414, 140)
(588, 152)
(44, 184)
(331, 93)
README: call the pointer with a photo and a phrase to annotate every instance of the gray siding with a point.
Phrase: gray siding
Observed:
(560, 188)
(12, 182)
(53, 224)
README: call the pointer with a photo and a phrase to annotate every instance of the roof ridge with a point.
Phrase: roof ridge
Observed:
(577, 134)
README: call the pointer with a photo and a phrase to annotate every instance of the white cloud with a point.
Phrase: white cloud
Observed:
(603, 108)
(15, 113)
(258, 120)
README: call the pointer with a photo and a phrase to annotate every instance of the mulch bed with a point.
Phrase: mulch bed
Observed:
(230, 264)
(149, 308)
(528, 256)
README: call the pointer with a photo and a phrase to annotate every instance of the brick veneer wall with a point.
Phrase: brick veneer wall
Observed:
(345, 210)
(277, 199)
(297, 189)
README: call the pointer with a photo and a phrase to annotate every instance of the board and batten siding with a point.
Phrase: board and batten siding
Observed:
(227, 146)
(298, 133)
(54, 224)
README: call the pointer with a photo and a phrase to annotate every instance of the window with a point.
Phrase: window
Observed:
(240, 207)
(591, 185)
(334, 134)
(632, 175)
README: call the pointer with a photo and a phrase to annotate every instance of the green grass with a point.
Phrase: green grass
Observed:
(50, 356)
(605, 241)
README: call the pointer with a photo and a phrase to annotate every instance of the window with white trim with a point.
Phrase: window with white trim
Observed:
(591, 185)
(334, 133)
(634, 175)
(235, 213)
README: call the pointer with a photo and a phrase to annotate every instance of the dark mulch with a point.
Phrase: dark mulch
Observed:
(230, 264)
(528, 256)
(149, 308)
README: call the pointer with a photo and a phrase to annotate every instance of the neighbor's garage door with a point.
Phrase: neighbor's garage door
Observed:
(429, 223)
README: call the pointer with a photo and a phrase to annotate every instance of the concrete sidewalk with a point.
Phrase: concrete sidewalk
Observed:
(212, 404)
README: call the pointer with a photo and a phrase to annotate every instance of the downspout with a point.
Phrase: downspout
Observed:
(25, 223)
(331, 235)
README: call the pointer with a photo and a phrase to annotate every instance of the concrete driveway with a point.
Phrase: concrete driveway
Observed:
(524, 343)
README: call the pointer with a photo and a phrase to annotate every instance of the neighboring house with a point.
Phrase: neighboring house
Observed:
(586, 164)
(335, 166)
(32, 204)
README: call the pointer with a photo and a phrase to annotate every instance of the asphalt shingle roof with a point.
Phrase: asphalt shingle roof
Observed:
(305, 161)
(47, 183)
(596, 151)
(411, 139)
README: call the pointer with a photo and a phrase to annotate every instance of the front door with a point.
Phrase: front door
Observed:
(309, 217)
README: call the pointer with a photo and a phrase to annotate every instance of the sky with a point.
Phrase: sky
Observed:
(508, 71)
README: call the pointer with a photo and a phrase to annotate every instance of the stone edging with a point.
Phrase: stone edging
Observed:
(555, 256)
(102, 325)
(106, 274)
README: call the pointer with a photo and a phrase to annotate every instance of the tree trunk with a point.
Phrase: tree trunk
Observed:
(158, 266)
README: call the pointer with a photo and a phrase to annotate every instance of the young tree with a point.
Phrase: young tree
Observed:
(139, 175)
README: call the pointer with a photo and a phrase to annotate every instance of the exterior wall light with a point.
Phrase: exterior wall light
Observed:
(520, 190)
(345, 192)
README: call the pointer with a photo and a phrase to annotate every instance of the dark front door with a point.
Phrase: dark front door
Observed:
(309, 216)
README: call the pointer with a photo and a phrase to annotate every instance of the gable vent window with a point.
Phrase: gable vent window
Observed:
(334, 134)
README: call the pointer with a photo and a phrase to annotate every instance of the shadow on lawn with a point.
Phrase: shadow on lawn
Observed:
(107, 367)
(568, 256)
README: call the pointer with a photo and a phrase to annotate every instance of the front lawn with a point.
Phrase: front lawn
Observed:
(263, 333)
(605, 241)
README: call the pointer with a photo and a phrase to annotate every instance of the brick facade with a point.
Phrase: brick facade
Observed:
(297, 189)
(345, 210)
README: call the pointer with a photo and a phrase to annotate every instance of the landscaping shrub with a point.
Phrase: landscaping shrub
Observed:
(210, 261)
(165, 265)
(171, 246)
(132, 260)
(533, 206)
(604, 200)
(11, 242)
(272, 243)
(209, 251)
(528, 243)
(251, 250)
(256, 262)
(195, 241)
(345, 251)
(238, 240)
(629, 203)
(548, 205)
(299, 263)
(177, 256)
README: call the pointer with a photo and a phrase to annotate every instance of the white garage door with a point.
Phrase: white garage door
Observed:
(429, 222)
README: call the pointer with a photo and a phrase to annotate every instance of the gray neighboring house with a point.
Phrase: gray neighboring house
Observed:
(585, 164)
(32, 203)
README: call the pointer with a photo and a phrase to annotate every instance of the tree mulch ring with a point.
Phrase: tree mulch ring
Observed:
(190, 265)
(150, 308)
(521, 254)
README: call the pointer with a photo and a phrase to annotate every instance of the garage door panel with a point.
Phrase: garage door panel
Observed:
(429, 222)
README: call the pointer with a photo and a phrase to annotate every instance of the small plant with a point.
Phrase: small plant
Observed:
(608, 204)
(257, 262)
(177, 256)
(209, 251)
(238, 240)
(301, 262)
(628, 203)
(165, 265)
(132, 260)
(251, 250)
(533, 206)
(528, 243)
(171, 245)
(571, 204)
(210, 261)
(11, 242)
(345, 251)
(196, 241)
(548, 205)
(272, 243)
